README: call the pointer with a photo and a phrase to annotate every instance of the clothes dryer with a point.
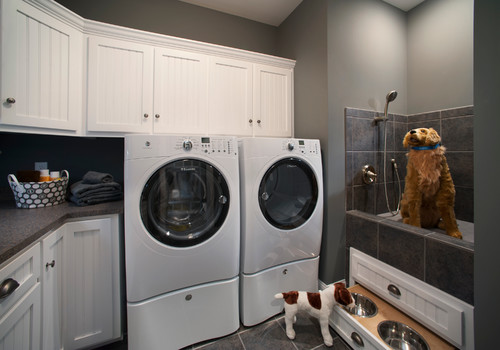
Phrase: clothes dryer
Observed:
(281, 222)
(182, 239)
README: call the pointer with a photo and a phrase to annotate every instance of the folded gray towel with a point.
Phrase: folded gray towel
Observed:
(94, 177)
(96, 199)
(80, 189)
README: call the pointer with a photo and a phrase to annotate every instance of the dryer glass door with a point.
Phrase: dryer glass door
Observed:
(184, 203)
(288, 193)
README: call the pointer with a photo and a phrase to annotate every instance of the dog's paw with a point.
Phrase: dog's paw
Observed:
(328, 341)
(290, 334)
(455, 234)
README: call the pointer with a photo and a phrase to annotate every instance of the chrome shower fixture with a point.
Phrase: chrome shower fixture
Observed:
(391, 96)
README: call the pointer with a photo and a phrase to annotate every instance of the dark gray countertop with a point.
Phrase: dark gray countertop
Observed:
(21, 227)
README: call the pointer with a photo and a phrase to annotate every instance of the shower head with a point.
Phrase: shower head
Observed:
(391, 96)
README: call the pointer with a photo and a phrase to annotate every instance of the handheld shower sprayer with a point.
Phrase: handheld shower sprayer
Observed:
(391, 96)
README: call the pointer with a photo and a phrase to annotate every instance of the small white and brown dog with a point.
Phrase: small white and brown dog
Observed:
(319, 305)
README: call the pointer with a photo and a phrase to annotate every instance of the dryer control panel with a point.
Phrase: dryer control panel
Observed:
(301, 146)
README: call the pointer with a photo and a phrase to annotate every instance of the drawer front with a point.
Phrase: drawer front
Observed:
(352, 332)
(25, 271)
(439, 311)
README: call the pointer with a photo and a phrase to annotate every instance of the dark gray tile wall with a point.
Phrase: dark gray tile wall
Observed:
(441, 261)
(365, 145)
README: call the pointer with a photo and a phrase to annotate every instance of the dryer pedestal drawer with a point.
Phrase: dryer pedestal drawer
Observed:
(257, 290)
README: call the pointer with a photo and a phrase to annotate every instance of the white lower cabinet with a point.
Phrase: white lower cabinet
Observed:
(81, 284)
(20, 302)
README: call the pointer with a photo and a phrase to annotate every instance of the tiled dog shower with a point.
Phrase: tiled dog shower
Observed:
(431, 256)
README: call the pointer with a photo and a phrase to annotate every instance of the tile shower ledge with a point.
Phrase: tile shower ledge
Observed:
(427, 234)
(21, 227)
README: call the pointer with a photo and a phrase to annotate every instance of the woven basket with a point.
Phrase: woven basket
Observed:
(39, 194)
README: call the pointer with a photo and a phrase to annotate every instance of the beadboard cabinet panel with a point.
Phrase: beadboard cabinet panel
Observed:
(230, 101)
(41, 69)
(273, 101)
(180, 92)
(120, 86)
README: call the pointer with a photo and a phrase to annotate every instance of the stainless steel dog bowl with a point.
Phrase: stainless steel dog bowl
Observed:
(399, 336)
(364, 307)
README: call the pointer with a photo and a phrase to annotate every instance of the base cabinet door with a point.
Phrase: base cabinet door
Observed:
(53, 288)
(81, 305)
(20, 327)
(89, 305)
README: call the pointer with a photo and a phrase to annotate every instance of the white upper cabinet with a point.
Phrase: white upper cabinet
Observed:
(230, 97)
(180, 92)
(62, 74)
(120, 86)
(273, 101)
(42, 61)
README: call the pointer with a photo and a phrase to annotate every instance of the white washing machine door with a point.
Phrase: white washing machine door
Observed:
(288, 193)
(184, 203)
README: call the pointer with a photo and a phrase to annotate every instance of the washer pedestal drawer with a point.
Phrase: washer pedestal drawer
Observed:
(184, 317)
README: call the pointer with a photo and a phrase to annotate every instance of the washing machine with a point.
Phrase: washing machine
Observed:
(281, 222)
(182, 239)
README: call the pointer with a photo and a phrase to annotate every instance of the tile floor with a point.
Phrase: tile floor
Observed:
(269, 335)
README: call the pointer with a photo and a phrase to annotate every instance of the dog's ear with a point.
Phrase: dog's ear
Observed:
(433, 137)
(405, 140)
(342, 295)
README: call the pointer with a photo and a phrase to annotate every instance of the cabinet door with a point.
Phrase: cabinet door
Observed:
(89, 305)
(180, 92)
(53, 287)
(41, 69)
(230, 97)
(120, 86)
(20, 327)
(272, 101)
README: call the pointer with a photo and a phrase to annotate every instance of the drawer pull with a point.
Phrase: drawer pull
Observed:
(50, 264)
(11, 100)
(357, 339)
(8, 287)
(393, 290)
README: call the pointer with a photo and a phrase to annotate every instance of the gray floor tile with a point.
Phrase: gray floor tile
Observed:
(266, 336)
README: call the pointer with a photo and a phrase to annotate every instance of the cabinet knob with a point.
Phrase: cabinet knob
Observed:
(357, 339)
(50, 264)
(8, 287)
(11, 100)
(157, 116)
(146, 116)
(258, 121)
(250, 121)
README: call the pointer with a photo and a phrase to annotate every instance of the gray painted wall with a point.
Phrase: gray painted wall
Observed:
(440, 55)
(486, 169)
(366, 59)
(303, 37)
(176, 18)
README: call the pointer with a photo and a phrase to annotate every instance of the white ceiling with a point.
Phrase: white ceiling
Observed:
(273, 12)
(405, 5)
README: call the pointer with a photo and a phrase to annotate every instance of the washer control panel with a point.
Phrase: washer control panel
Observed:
(301, 146)
(207, 145)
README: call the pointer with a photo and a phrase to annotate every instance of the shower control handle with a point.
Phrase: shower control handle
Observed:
(369, 175)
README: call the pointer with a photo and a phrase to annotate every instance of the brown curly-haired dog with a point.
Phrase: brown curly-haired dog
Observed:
(429, 194)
